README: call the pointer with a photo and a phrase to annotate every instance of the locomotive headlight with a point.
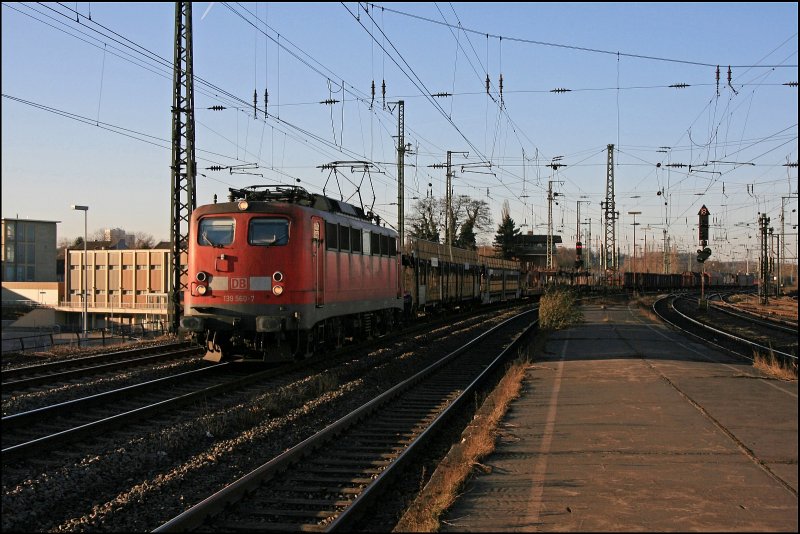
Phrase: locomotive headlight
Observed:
(277, 290)
(201, 276)
(243, 205)
(202, 290)
(278, 276)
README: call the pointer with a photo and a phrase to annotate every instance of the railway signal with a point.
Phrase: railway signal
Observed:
(703, 254)
(578, 255)
(703, 225)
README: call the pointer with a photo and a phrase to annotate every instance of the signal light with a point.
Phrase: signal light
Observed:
(703, 254)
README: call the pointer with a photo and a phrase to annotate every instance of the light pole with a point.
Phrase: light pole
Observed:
(85, 210)
(634, 213)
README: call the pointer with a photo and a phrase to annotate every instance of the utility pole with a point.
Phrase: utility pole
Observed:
(401, 151)
(448, 210)
(610, 216)
(589, 243)
(772, 237)
(666, 252)
(635, 224)
(448, 213)
(578, 241)
(550, 197)
(183, 161)
(763, 222)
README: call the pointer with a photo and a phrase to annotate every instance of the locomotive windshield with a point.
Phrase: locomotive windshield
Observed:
(216, 232)
(268, 232)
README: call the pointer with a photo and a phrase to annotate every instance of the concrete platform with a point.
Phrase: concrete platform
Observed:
(624, 425)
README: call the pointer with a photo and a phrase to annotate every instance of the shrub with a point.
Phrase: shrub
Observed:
(558, 309)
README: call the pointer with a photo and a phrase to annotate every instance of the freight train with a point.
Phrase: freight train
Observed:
(687, 281)
(277, 273)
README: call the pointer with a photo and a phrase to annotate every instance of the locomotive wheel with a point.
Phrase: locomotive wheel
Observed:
(305, 344)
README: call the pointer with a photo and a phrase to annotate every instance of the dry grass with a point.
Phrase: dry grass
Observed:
(774, 367)
(645, 306)
(781, 307)
(477, 441)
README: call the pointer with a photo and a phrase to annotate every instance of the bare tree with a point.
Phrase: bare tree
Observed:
(469, 217)
(98, 235)
(426, 222)
(144, 240)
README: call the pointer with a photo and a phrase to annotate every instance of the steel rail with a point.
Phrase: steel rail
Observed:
(236, 491)
(778, 324)
(737, 339)
(28, 418)
(16, 385)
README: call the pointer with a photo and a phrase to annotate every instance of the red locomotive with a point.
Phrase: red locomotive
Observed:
(277, 272)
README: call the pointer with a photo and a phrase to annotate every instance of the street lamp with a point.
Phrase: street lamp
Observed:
(85, 210)
(635, 224)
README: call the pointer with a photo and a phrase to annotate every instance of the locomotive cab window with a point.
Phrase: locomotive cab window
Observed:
(216, 231)
(268, 232)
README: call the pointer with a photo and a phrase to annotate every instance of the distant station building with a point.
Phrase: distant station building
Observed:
(124, 286)
(29, 250)
(29, 274)
(531, 250)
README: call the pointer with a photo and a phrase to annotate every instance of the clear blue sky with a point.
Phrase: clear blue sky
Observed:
(111, 70)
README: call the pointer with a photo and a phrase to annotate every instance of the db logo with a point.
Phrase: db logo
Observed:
(238, 283)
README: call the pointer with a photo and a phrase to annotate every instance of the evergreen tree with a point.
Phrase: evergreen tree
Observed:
(506, 234)
(466, 237)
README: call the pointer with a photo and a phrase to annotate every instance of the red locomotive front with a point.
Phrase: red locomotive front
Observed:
(275, 273)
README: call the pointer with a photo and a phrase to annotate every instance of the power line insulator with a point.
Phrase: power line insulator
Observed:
(217, 108)
(680, 85)
(560, 90)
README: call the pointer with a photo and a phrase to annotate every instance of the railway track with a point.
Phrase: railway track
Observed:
(68, 369)
(28, 433)
(728, 331)
(727, 306)
(331, 478)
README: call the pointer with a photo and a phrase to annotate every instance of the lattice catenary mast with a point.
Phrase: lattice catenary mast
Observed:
(610, 218)
(183, 161)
